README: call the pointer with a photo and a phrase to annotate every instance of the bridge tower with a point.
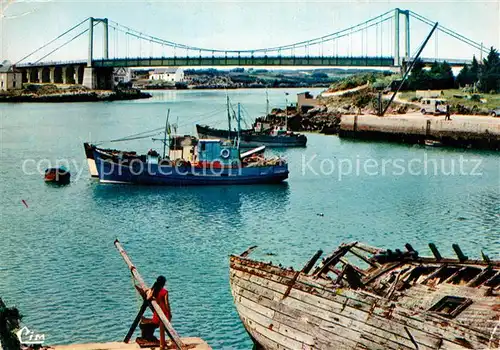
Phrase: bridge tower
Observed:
(406, 30)
(91, 77)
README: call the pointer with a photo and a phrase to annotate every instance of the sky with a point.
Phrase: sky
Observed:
(29, 24)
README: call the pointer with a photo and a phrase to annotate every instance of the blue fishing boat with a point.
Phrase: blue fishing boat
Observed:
(209, 162)
(262, 133)
(277, 136)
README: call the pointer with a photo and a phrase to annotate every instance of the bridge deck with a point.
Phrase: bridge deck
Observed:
(228, 61)
(215, 61)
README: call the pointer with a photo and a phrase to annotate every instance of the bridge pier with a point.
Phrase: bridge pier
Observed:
(76, 74)
(52, 71)
(89, 78)
(40, 75)
(64, 76)
(98, 78)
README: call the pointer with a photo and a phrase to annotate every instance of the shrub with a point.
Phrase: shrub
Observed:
(475, 98)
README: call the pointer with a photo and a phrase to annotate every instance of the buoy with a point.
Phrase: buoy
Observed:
(57, 175)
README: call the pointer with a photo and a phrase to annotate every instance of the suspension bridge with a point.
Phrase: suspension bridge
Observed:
(372, 43)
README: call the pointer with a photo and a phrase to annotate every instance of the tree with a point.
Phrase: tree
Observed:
(419, 78)
(463, 77)
(474, 69)
(489, 77)
(447, 78)
(319, 75)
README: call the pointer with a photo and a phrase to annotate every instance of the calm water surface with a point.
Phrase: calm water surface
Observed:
(57, 259)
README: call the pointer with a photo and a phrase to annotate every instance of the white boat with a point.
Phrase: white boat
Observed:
(433, 143)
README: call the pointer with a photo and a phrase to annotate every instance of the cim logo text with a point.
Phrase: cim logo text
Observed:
(28, 337)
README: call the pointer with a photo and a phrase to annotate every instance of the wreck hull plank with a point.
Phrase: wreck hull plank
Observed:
(346, 319)
(429, 337)
(317, 315)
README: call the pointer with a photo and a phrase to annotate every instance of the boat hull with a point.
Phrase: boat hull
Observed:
(154, 174)
(89, 154)
(247, 139)
(315, 315)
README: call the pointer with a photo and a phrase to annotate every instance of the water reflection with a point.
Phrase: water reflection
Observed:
(224, 205)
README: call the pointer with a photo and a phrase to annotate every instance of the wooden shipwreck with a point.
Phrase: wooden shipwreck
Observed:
(362, 297)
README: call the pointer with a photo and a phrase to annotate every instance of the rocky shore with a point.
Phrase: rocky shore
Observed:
(52, 93)
(353, 113)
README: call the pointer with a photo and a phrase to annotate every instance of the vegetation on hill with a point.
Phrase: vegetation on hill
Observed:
(439, 77)
(361, 79)
(484, 76)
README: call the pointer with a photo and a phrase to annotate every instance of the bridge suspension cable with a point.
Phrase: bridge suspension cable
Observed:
(53, 40)
(302, 44)
(64, 44)
(450, 32)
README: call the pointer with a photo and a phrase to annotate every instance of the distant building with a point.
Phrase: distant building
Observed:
(9, 78)
(306, 101)
(121, 75)
(174, 74)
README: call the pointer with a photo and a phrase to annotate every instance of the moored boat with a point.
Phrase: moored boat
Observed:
(214, 162)
(386, 300)
(262, 133)
(60, 176)
(278, 136)
(89, 154)
(433, 143)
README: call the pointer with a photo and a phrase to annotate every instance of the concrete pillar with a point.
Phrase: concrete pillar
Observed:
(105, 53)
(52, 75)
(75, 74)
(407, 34)
(64, 80)
(40, 75)
(29, 75)
(89, 78)
(91, 42)
(396, 37)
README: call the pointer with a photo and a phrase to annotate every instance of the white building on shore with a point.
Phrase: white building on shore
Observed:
(174, 74)
(121, 75)
(9, 78)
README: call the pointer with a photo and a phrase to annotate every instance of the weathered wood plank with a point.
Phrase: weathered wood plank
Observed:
(422, 324)
(350, 319)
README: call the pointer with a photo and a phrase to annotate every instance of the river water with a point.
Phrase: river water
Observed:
(57, 259)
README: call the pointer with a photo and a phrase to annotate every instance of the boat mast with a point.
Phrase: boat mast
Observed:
(239, 124)
(286, 111)
(228, 117)
(165, 134)
(267, 103)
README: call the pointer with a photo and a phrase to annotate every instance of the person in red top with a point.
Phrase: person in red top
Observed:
(160, 295)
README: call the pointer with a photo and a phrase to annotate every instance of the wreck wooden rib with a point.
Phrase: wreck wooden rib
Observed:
(362, 257)
(318, 313)
(485, 272)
